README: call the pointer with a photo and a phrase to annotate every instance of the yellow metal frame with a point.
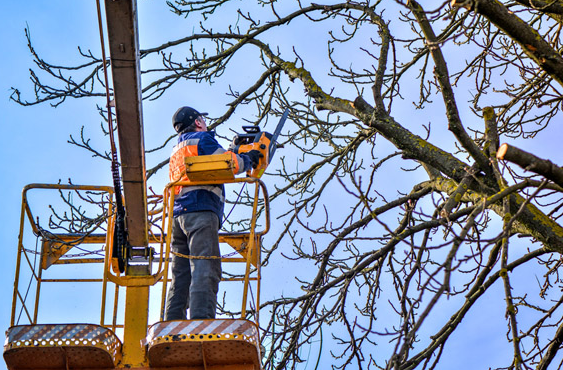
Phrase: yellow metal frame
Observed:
(137, 287)
(46, 262)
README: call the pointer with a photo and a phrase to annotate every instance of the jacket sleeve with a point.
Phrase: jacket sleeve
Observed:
(209, 145)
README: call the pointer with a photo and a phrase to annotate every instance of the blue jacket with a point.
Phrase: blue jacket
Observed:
(204, 197)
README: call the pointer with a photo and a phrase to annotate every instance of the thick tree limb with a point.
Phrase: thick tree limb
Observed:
(532, 163)
(554, 7)
(491, 131)
(533, 221)
(532, 43)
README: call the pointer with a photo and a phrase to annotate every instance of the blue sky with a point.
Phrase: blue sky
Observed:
(33, 144)
(33, 147)
(33, 140)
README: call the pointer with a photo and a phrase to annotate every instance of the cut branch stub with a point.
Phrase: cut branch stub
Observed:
(530, 162)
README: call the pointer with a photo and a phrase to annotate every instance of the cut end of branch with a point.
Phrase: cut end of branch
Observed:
(361, 105)
(461, 4)
(502, 151)
(488, 113)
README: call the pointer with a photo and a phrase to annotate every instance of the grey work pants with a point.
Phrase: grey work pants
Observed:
(195, 282)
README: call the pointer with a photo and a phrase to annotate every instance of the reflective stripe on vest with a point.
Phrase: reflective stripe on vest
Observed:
(217, 190)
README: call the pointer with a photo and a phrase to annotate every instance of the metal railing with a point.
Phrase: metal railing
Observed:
(55, 249)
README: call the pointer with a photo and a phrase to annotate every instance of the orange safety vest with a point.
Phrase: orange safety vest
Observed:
(189, 148)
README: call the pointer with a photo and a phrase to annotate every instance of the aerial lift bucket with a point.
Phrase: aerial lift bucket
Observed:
(217, 343)
(56, 346)
(225, 343)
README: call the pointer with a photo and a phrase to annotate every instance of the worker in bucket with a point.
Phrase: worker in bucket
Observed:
(198, 211)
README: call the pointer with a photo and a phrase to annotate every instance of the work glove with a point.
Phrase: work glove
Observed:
(254, 156)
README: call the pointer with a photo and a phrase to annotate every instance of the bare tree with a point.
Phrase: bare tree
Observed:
(393, 204)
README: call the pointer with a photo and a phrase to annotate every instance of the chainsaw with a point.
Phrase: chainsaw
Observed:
(264, 142)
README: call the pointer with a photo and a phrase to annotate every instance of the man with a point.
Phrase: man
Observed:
(198, 213)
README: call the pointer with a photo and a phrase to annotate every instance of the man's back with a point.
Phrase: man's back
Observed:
(201, 197)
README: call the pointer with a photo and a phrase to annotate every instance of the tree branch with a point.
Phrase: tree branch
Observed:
(532, 43)
(532, 163)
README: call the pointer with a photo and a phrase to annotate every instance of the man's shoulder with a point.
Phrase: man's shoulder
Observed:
(205, 141)
(195, 134)
(199, 135)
